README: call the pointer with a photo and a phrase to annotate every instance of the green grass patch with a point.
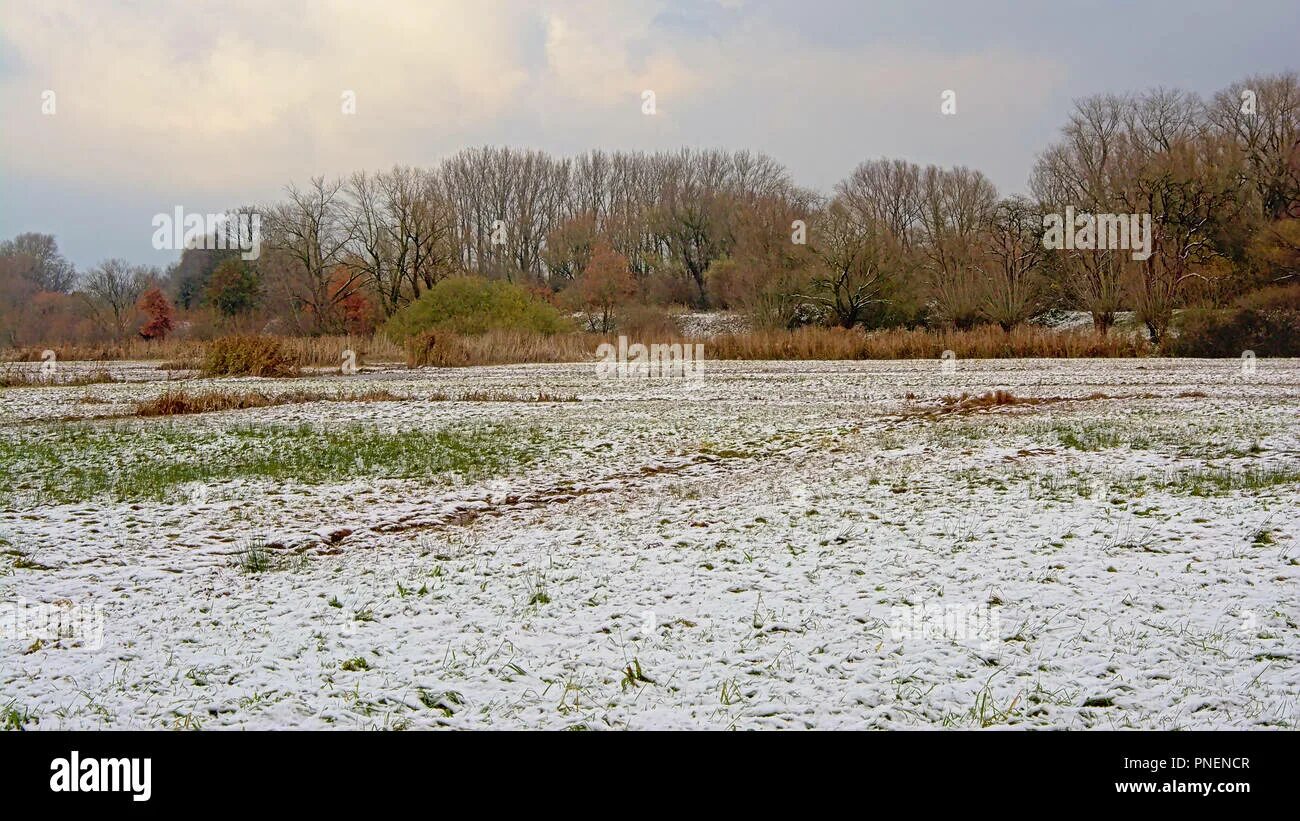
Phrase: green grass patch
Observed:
(255, 558)
(1218, 482)
(1088, 436)
(73, 463)
(1159, 432)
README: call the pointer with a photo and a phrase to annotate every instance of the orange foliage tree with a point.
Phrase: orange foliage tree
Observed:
(160, 321)
(603, 286)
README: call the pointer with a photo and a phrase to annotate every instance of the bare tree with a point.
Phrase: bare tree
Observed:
(886, 192)
(1011, 253)
(1186, 184)
(376, 250)
(403, 240)
(851, 263)
(568, 248)
(426, 227)
(114, 287)
(1080, 171)
(42, 263)
(956, 206)
(1262, 115)
(311, 231)
(692, 215)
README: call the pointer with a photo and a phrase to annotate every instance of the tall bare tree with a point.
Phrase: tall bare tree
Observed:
(1187, 181)
(851, 263)
(1262, 115)
(311, 232)
(956, 206)
(885, 192)
(1080, 170)
(1011, 255)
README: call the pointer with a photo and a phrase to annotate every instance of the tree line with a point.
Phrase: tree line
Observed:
(893, 244)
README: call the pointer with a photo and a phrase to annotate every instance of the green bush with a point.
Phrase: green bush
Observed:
(1265, 321)
(471, 306)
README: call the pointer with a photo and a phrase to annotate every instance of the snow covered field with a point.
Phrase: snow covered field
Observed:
(793, 545)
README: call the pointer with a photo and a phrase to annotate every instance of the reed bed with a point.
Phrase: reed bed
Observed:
(505, 347)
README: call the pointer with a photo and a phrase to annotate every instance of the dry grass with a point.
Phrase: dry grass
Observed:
(987, 342)
(11, 377)
(187, 354)
(502, 396)
(265, 356)
(180, 364)
(502, 347)
(133, 349)
(448, 350)
(179, 402)
(327, 351)
(966, 403)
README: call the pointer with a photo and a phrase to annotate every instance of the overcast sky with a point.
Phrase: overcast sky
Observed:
(209, 105)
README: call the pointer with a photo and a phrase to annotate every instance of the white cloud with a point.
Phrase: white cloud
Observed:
(591, 59)
(213, 92)
(240, 96)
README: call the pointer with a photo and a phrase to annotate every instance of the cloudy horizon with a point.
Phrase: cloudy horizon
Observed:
(208, 106)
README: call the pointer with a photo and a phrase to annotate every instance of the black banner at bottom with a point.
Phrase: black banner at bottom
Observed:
(218, 771)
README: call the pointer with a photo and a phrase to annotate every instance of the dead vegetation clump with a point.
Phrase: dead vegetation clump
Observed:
(180, 402)
(12, 377)
(966, 403)
(253, 355)
(502, 396)
(987, 399)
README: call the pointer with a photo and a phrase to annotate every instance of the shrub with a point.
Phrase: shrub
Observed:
(665, 287)
(1266, 322)
(247, 356)
(472, 306)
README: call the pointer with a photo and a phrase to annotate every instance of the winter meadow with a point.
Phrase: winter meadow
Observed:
(663, 367)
